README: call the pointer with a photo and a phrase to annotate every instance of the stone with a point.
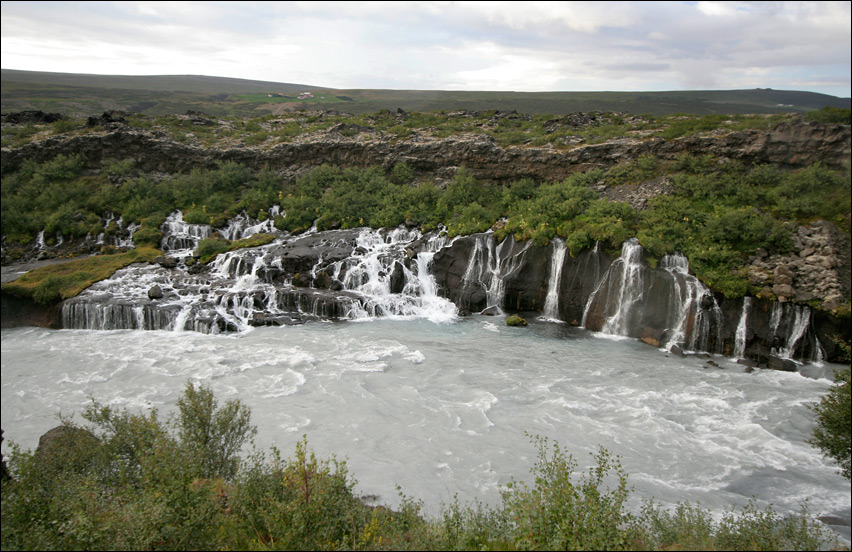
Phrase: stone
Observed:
(832, 302)
(676, 350)
(155, 292)
(804, 296)
(165, 262)
(783, 290)
(66, 447)
(784, 270)
(651, 341)
(783, 364)
(783, 280)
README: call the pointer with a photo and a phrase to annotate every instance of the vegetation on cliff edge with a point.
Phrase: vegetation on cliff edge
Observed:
(715, 211)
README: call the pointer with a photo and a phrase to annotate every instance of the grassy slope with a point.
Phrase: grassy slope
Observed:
(79, 94)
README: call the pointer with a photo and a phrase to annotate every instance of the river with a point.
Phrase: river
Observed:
(444, 408)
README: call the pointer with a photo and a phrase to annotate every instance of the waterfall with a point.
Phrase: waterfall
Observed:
(242, 226)
(630, 288)
(380, 271)
(551, 302)
(621, 288)
(179, 235)
(695, 311)
(742, 326)
(796, 323)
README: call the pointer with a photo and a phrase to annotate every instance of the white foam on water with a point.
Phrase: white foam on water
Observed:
(443, 409)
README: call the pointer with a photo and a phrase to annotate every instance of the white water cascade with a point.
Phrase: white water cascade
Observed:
(696, 312)
(181, 236)
(242, 226)
(378, 275)
(742, 326)
(490, 264)
(551, 302)
(797, 330)
(378, 272)
(624, 281)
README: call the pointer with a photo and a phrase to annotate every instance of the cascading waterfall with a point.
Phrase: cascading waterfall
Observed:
(179, 235)
(551, 302)
(390, 286)
(242, 226)
(742, 326)
(364, 273)
(489, 265)
(797, 336)
(624, 281)
(248, 287)
(697, 314)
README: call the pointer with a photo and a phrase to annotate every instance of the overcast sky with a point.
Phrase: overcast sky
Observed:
(521, 46)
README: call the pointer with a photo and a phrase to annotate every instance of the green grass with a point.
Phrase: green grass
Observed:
(209, 248)
(50, 284)
(85, 95)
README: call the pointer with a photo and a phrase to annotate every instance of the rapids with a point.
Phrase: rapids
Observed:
(442, 408)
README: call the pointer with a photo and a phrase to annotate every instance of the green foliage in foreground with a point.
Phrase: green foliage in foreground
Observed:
(833, 434)
(137, 483)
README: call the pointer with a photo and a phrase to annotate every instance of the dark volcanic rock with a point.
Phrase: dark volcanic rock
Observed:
(24, 117)
(792, 145)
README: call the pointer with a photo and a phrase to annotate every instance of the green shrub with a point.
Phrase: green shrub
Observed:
(833, 420)
(830, 115)
(147, 236)
(564, 513)
(213, 435)
(208, 248)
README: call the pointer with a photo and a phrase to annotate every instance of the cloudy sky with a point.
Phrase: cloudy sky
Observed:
(522, 46)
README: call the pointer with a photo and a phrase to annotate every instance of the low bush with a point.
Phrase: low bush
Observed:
(135, 482)
(834, 418)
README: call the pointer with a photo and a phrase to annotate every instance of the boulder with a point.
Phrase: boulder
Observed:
(783, 364)
(66, 448)
(166, 262)
(155, 292)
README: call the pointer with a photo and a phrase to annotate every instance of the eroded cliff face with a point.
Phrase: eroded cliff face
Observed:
(622, 295)
(791, 145)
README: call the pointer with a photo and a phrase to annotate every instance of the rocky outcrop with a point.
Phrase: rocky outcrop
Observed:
(29, 117)
(790, 145)
(818, 269)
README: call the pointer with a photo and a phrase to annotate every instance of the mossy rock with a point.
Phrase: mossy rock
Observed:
(515, 320)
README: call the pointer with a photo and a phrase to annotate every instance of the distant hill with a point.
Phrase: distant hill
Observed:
(83, 95)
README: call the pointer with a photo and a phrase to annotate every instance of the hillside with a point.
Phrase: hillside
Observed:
(83, 95)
